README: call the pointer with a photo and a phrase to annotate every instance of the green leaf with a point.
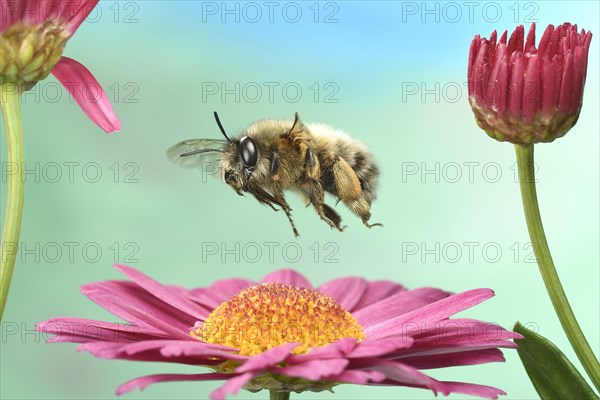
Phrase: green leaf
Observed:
(552, 374)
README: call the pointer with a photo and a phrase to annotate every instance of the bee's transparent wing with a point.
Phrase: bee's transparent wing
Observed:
(210, 154)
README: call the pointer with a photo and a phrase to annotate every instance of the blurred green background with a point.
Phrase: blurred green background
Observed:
(392, 74)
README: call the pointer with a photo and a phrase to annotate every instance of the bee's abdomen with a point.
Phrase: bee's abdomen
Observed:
(328, 143)
(361, 162)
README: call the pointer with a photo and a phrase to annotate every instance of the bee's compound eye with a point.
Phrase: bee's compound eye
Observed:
(248, 151)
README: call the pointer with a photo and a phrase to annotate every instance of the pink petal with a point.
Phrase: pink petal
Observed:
(565, 95)
(345, 291)
(228, 288)
(87, 92)
(515, 89)
(462, 328)
(8, 14)
(554, 44)
(134, 295)
(380, 347)
(493, 37)
(532, 91)
(161, 291)
(288, 277)
(206, 298)
(79, 330)
(579, 64)
(69, 12)
(403, 374)
(144, 381)
(232, 386)
(545, 41)
(586, 45)
(449, 340)
(267, 359)
(219, 292)
(142, 317)
(574, 38)
(487, 392)
(132, 303)
(530, 42)
(398, 304)
(471, 357)
(471, 389)
(473, 52)
(558, 63)
(485, 79)
(314, 370)
(456, 335)
(587, 40)
(515, 43)
(24, 10)
(548, 88)
(497, 86)
(478, 72)
(465, 345)
(180, 351)
(430, 313)
(376, 291)
(78, 14)
(358, 377)
(338, 349)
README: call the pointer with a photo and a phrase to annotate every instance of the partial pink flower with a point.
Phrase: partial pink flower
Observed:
(33, 35)
(284, 335)
(526, 94)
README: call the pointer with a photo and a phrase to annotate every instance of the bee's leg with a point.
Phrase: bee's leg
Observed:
(361, 207)
(278, 191)
(278, 194)
(333, 216)
(285, 207)
(315, 191)
(329, 212)
(348, 189)
(263, 197)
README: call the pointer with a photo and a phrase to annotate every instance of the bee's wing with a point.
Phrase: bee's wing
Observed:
(210, 154)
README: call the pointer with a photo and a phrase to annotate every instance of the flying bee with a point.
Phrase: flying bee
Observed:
(272, 156)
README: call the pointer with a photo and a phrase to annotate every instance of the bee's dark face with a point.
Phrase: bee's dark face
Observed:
(242, 161)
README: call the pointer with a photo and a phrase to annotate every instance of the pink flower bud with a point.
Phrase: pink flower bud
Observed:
(523, 94)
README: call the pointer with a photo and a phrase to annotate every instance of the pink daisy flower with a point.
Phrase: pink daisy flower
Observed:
(33, 35)
(283, 335)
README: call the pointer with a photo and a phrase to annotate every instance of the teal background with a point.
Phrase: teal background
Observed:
(165, 215)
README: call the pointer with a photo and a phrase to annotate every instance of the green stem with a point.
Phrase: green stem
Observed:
(273, 395)
(546, 265)
(10, 99)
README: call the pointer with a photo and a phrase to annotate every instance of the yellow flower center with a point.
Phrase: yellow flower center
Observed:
(271, 314)
(28, 52)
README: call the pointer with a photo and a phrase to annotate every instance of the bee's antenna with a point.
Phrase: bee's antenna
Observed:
(221, 127)
(199, 151)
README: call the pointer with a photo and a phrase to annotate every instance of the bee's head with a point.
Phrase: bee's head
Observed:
(243, 156)
(242, 160)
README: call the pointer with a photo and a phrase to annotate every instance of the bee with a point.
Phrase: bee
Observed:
(272, 156)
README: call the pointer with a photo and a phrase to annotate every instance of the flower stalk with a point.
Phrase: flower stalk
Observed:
(32, 42)
(546, 265)
(10, 99)
(275, 395)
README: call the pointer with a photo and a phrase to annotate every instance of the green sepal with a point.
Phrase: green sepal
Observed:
(550, 371)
